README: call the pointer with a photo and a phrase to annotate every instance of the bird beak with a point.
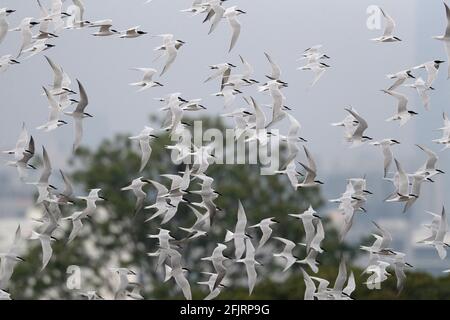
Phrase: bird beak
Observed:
(53, 187)
(103, 198)
(21, 259)
(153, 136)
(367, 191)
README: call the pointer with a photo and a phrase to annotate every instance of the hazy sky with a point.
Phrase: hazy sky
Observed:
(284, 28)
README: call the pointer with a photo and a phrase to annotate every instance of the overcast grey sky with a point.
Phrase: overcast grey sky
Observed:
(283, 28)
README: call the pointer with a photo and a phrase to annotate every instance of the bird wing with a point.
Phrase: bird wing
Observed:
(310, 286)
(342, 276)
(388, 156)
(248, 68)
(146, 150)
(46, 250)
(242, 219)
(362, 124)
(46, 172)
(312, 164)
(68, 189)
(432, 158)
(236, 28)
(251, 275)
(83, 99)
(447, 11)
(171, 56)
(276, 71)
(78, 132)
(218, 14)
(58, 73)
(389, 26)
(351, 285)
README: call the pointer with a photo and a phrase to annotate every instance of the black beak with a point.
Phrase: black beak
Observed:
(153, 136)
(188, 201)
(53, 187)
(103, 198)
(367, 191)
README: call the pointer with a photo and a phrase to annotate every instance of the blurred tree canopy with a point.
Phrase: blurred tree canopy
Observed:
(116, 237)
